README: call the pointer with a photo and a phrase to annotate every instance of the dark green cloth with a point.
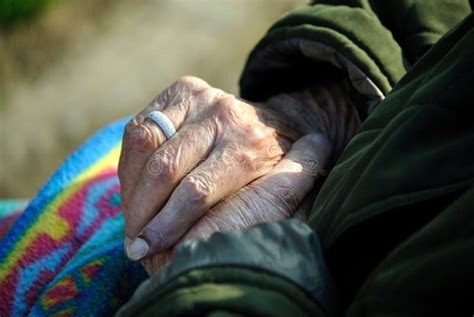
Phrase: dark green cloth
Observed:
(250, 267)
(395, 213)
(407, 170)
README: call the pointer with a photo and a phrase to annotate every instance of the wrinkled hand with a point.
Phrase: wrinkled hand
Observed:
(275, 196)
(222, 144)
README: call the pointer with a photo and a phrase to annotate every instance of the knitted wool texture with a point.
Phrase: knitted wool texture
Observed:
(64, 255)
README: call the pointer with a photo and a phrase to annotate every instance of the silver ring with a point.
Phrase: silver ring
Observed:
(163, 122)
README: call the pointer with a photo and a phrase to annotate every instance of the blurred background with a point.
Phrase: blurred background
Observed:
(69, 67)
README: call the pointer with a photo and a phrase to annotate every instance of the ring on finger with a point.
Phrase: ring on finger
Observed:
(163, 122)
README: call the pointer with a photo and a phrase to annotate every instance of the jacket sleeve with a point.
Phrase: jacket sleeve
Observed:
(272, 269)
(374, 42)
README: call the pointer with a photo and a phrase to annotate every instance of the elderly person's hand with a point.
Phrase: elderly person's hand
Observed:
(222, 144)
(272, 197)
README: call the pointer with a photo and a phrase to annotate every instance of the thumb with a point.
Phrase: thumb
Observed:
(287, 184)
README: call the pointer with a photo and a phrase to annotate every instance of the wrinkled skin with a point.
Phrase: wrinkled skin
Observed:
(225, 169)
(273, 197)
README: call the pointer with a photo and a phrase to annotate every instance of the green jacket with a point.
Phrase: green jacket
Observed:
(391, 232)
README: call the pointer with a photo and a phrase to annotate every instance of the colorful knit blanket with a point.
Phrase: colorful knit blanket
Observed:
(64, 255)
(10, 210)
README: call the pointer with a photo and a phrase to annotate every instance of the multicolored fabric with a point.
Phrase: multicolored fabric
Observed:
(64, 255)
(10, 210)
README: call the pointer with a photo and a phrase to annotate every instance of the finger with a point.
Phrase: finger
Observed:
(140, 141)
(283, 189)
(175, 102)
(275, 195)
(223, 173)
(137, 145)
(143, 136)
(163, 172)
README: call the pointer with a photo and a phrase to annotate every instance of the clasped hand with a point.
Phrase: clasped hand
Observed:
(231, 164)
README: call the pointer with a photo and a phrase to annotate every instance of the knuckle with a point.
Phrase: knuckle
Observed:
(162, 165)
(197, 188)
(248, 161)
(187, 80)
(238, 160)
(192, 82)
(225, 108)
(130, 130)
(255, 136)
(139, 137)
(183, 90)
(208, 95)
(161, 100)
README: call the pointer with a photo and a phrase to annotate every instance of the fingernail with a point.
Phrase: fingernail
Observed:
(137, 249)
